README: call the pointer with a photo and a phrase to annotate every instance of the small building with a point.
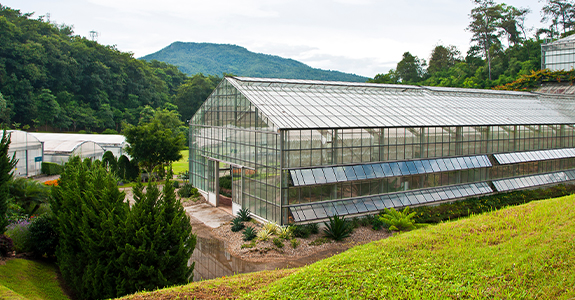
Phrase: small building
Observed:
(28, 151)
(300, 151)
(559, 55)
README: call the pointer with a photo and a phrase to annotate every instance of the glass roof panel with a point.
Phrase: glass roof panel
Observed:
(378, 170)
(369, 172)
(307, 176)
(359, 172)
(319, 176)
(403, 168)
(294, 178)
(349, 173)
(329, 175)
(340, 174)
(387, 170)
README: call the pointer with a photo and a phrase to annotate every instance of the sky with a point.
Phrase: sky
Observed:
(363, 37)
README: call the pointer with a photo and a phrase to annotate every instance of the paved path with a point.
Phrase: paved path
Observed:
(211, 216)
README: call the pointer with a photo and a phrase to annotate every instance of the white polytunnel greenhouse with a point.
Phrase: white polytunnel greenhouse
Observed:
(60, 151)
(28, 151)
(114, 143)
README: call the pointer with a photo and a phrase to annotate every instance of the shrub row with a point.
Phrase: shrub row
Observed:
(463, 208)
(50, 168)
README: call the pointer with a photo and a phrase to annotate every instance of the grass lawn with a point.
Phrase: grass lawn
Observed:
(182, 164)
(27, 279)
(521, 252)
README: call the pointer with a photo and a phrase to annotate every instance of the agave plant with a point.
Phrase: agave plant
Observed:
(263, 235)
(244, 214)
(337, 228)
(249, 233)
(237, 225)
(285, 232)
(271, 227)
(398, 220)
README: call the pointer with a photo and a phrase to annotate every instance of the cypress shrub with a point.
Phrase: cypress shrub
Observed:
(43, 237)
(158, 242)
(89, 211)
(7, 164)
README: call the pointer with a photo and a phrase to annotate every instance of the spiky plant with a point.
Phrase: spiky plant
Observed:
(271, 227)
(337, 228)
(263, 235)
(249, 233)
(244, 214)
(237, 225)
(285, 232)
(398, 220)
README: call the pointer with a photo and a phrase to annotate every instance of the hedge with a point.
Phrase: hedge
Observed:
(49, 168)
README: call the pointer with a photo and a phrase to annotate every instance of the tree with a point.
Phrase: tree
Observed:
(410, 68)
(156, 142)
(7, 165)
(159, 241)
(48, 107)
(512, 23)
(89, 211)
(442, 58)
(560, 13)
(484, 26)
(390, 77)
(193, 93)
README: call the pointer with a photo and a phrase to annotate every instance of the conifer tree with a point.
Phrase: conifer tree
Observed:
(90, 212)
(7, 164)
(159, 241)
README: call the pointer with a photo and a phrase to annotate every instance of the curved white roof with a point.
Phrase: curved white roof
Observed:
(68, 142)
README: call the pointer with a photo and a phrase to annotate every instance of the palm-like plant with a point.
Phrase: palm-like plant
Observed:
(271, 228)
(398, 220)
(337, 228)
(249, 233)
(29, 194)
(237, 225)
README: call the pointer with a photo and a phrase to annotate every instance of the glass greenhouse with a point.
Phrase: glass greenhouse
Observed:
(559, 55)
(300, 151)
(28, 151)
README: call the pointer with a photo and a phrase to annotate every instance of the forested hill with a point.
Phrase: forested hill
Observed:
(216, 59)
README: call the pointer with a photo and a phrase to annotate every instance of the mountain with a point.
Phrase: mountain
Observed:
(216, 59)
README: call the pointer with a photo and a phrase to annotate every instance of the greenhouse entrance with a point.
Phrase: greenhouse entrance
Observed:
(225, 185)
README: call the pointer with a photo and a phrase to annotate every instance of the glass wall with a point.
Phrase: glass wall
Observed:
(229, 128)
(558, 55)
(337, 164)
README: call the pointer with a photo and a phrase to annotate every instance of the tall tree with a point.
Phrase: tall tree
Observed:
(7, 165)
(485, 18)
(410, 68)
(560, 13)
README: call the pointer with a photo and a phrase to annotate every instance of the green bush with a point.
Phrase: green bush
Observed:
(249, 233)
(278, 242)
(237, 225)
(226, 182)
(43, 237)
(337, 228)
(304, 231)
(176, 184)
(463, 208)
(50, 168)
(6, 245)
(29, 194)
(319, 241)
(188, 190)
(398, 220)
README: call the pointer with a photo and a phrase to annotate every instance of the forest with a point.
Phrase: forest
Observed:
(53, 80)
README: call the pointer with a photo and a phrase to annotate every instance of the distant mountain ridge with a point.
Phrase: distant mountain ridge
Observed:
(216, 59)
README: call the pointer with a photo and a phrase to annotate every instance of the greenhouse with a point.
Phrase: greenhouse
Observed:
(559, 55)
(58, 148)
(114, 143)
(300, 151)
(28, 151)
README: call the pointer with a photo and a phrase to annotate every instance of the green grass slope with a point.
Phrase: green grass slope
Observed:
(216, 59)
(26, 279)
(522, 252)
